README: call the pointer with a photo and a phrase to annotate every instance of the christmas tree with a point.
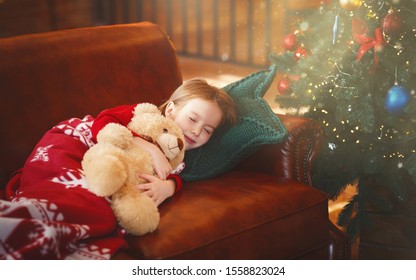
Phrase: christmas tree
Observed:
(351, 65)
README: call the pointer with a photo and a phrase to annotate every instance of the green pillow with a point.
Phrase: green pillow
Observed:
(257, 125)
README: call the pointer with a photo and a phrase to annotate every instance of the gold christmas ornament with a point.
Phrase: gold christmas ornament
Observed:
(350, 4)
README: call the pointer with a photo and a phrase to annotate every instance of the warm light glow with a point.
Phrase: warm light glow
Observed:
(350, 4)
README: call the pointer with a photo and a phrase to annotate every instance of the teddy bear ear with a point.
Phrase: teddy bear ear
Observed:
(146, 108)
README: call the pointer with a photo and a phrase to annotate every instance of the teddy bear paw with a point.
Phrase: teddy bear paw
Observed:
(105, 175)
(137, 214)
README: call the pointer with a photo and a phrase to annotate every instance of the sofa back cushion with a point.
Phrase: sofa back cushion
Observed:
(49, 77)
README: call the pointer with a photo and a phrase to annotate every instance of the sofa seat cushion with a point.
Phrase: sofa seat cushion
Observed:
(220, 218)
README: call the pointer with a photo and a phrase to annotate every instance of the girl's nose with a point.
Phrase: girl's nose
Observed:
(196, 131)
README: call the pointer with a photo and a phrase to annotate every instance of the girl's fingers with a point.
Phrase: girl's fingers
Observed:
(147, 177)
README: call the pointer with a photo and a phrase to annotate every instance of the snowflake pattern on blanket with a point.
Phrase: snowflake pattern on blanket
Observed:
(49, 213)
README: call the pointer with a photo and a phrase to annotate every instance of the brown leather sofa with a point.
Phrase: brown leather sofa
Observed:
(264, 208)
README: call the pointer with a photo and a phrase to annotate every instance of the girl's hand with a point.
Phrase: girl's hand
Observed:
(158, 190)
(161, 164)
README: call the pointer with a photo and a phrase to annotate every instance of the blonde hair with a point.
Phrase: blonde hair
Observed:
(199, 88)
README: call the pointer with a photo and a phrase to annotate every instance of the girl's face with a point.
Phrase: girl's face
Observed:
(198, 119)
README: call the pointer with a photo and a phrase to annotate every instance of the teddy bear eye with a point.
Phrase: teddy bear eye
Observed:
(165, 130)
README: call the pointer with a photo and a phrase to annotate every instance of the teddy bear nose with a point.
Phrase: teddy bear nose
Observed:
(180, 144)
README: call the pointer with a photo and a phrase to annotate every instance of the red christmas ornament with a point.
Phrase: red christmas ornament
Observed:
(290, 42)
(284, 86)
(392, 26)
(300, 52)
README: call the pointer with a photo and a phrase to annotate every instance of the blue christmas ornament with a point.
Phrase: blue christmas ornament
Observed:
(396, 99)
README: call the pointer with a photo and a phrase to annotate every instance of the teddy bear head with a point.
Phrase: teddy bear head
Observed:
(149, 123)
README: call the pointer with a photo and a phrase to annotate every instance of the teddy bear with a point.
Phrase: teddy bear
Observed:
(111, 166)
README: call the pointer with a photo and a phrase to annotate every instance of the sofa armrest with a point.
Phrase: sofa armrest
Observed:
(291, 159)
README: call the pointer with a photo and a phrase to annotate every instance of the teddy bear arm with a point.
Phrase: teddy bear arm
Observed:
(116, 134)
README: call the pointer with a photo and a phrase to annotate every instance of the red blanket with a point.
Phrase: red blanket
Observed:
(49, 213)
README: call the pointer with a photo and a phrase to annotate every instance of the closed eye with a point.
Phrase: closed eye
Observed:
(208, 131)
